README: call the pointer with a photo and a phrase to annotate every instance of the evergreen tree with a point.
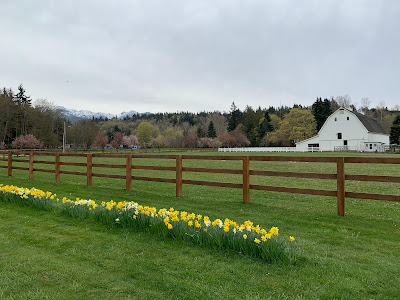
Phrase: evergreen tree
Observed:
(23, 103)
(8, 116)
(264, 127)
(271, 110)
(327, 107)
(211, 132)
(282, 111)
(395, 131)
(251, 123)
(234, 117)
(21, 98)
(321, 111)
(201, 132)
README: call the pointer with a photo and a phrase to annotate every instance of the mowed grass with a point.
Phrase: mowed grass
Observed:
(47, 255)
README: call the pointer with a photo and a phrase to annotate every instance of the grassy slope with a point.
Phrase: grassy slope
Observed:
(352, 257)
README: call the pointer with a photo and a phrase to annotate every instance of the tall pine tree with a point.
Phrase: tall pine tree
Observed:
(211, 132)
(321, 111)
(23, 103)
(265, 127)
(395, 131)
(200, 131)
(234, 117)
(250, 124)
(21, 98)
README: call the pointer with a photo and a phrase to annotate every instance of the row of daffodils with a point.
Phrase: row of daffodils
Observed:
(245, 238)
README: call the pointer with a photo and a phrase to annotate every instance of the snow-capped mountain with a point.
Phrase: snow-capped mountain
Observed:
(128, 114)
(74, 115)
(86, 114)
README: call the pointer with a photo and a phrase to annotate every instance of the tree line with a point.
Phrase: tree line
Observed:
(18, 117)
(24, 124)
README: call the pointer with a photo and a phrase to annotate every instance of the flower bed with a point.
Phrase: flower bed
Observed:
(245, 238)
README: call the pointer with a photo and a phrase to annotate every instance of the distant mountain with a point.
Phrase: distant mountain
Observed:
(128, 114)
(74, 115)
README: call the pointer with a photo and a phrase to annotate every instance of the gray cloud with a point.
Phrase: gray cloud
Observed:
(200, 55)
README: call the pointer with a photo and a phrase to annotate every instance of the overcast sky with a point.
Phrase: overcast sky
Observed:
(166, 55)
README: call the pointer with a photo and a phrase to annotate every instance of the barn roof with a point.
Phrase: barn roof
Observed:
(371, 124)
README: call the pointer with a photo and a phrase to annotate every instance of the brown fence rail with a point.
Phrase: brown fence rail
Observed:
(245, 171)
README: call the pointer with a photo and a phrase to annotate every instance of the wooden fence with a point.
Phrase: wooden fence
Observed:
(245, 171)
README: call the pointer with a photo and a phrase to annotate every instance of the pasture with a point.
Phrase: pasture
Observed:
(352, 257)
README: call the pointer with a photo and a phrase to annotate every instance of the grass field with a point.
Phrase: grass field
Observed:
(47, 255)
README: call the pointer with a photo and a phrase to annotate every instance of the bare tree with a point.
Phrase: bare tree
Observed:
(344, 101)
(365, 104)
(381, 110)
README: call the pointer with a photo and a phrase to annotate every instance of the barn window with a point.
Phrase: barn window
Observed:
(335, 119)
(348, 118)
(339, 136)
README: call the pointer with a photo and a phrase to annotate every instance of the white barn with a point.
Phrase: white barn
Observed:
(347, 130)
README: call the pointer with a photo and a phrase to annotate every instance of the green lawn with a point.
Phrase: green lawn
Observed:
(47, 255)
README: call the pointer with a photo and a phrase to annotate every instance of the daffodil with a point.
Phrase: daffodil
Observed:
(169, 217)
(274, 231)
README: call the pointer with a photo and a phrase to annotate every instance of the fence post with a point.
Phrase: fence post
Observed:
(57, 167)
(128, 172)
(31, 165)
(9, 163)
(340, 186)
(179, 176)
(89, 169)
(246, 179)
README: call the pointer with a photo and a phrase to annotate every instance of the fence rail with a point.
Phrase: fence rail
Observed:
(245, 171)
